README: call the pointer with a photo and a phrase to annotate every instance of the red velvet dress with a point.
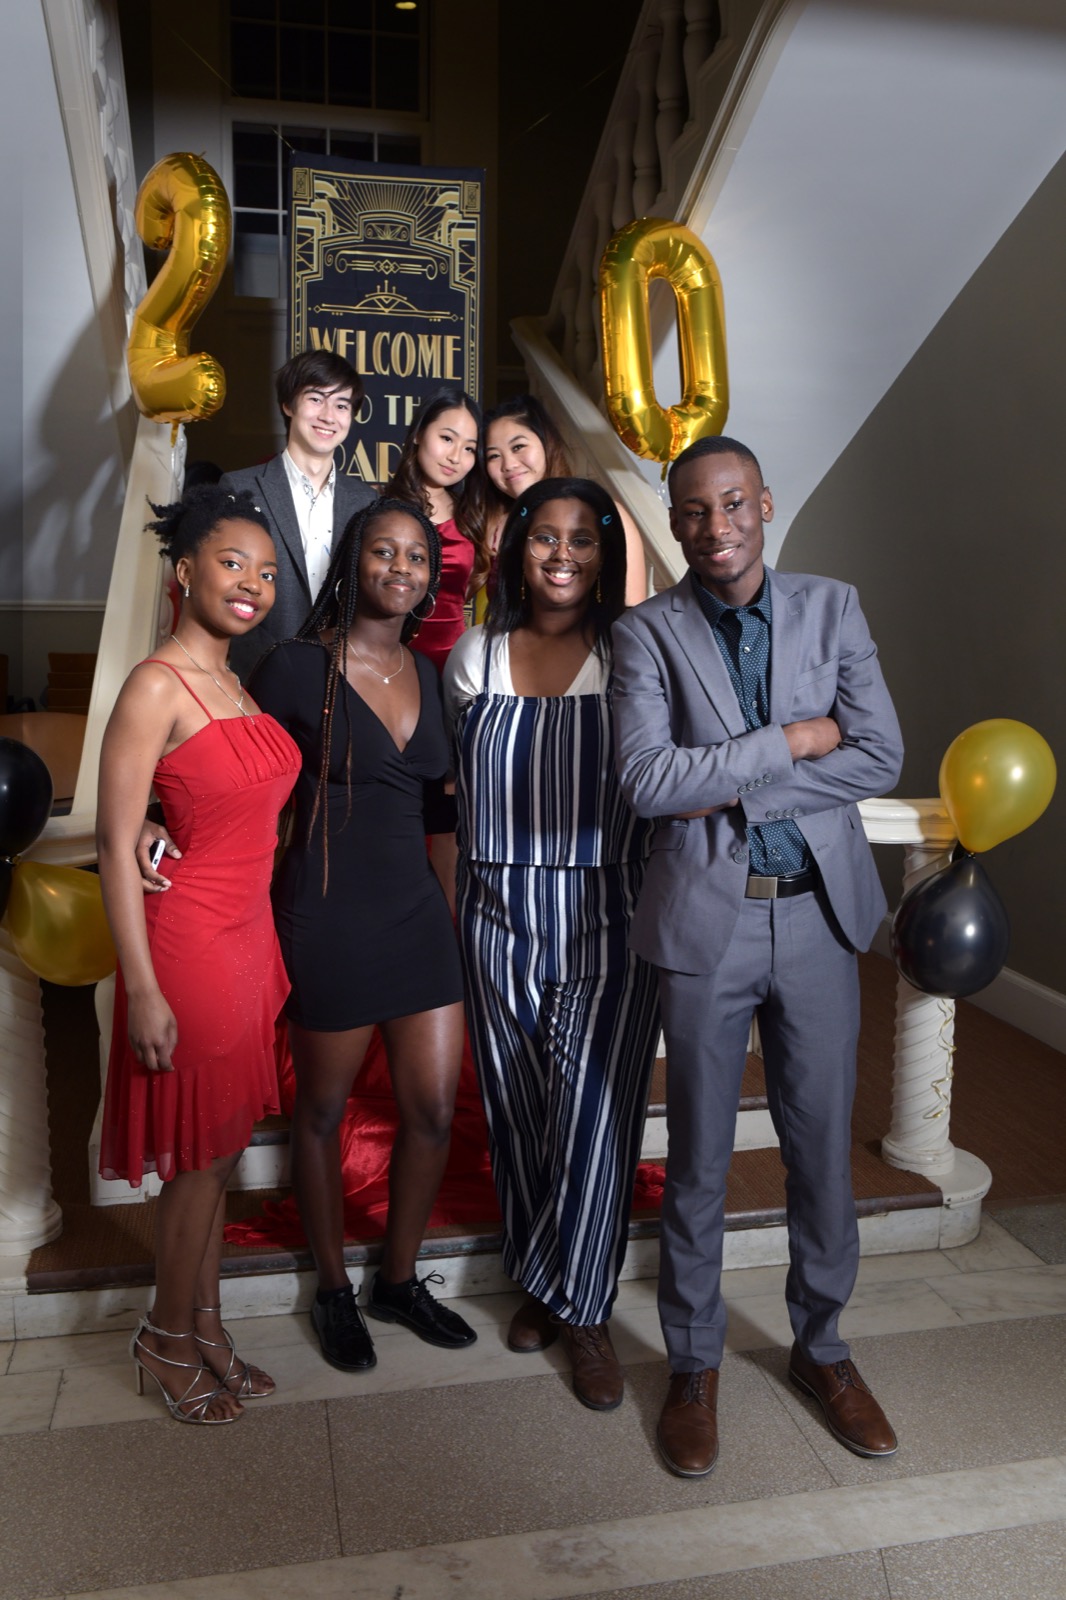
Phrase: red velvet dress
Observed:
(215, 955)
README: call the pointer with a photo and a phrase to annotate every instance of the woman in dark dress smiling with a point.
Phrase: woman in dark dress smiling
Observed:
(364, 926)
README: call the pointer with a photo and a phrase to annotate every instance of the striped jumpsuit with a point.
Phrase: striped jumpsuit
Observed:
(563, 1017)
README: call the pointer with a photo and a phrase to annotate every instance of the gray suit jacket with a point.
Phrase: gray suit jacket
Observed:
(682, 745)
(270, 488)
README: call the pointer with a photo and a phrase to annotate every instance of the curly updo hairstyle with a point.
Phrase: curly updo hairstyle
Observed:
(335, 609)
(182, 527)
(510, 608)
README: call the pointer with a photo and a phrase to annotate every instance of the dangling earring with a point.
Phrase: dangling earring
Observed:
(599, 591)
(186, 591)
(522, 591)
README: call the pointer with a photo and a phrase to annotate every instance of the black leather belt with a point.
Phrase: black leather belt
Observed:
(780, 888)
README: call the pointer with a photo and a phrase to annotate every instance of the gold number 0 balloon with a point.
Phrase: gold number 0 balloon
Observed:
(642, 250)
(180, 204)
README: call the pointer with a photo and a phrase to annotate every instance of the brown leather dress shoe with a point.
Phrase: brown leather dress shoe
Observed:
(598, 1378)
(687, 1435)
(531, 1327)
(853, 1415)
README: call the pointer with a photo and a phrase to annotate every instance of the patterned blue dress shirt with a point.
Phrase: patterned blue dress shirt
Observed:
(742, 633)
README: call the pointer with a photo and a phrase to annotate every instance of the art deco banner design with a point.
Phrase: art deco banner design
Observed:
(386, 271)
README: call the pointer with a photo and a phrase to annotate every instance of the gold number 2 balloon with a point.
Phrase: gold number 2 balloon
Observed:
(181, 205)
(642, 250)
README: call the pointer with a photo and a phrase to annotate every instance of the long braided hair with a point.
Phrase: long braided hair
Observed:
(335, 609)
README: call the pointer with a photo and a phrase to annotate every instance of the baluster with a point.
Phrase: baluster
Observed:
(585, 330)
(703, 31)
(601, 199)
(568, 304)
(28, 1214)
(622, 207)
(669, 84)
(645, 147)
(919, 1138)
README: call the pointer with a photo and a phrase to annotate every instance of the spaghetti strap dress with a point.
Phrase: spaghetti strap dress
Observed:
(214, 952)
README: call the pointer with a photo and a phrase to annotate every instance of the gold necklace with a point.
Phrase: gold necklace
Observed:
(374, 670)
(238, 703)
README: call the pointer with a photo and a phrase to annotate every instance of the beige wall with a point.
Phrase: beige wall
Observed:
(947, 511)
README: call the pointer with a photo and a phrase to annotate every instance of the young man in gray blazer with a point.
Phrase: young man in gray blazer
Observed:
(308, 502)
(751, 716)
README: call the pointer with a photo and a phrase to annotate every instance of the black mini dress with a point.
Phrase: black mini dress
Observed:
(379, 943)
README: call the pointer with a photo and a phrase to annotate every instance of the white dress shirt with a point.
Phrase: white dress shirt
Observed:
(314, 513)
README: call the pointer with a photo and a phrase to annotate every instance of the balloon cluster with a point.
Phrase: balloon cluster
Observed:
(55, 915)
(950, 933)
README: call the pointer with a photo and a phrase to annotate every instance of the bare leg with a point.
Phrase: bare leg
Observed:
(186, 1214)
(425, 1054)
(325, 1065)
(215, 1349)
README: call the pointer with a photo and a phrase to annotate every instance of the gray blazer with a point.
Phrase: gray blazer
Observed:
(269, 485)
(682, 746)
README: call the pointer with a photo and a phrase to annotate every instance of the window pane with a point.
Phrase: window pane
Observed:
(303, 10)
(255, 167)
(303, 68)
(349, 70)
(260, 10)
(256, 265)
(400, 148)
(389, 20)
(352, 146)
(350, 13)
(396, 84)
(252, 67)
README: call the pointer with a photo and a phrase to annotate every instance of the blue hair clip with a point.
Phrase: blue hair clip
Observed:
(524, 511)
(605, 520)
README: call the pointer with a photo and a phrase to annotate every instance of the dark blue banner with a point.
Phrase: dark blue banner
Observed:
(386, 271)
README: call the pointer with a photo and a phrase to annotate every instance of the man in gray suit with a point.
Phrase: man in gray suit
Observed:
(307, 501)
(751, 716)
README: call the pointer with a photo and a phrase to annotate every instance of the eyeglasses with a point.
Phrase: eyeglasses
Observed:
(544, 545)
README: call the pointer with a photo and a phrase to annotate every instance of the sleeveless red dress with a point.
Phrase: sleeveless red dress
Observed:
(215, 954)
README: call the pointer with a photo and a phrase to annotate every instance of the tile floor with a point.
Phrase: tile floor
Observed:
(475, 1474)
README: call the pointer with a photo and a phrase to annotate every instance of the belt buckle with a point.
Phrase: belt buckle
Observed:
(759, 888)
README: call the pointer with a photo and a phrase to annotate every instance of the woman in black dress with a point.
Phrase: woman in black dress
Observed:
(363, 923)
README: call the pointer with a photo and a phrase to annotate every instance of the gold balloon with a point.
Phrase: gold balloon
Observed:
(57, 924)
(995, 779)
(181, 205)
(642, 250)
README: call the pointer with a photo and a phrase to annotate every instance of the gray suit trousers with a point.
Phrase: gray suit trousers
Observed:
(788, 962)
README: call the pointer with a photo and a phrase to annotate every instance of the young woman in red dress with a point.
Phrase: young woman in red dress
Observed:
(200, 977)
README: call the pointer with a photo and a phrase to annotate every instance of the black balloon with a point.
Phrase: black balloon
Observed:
(5, 885)
(951, 932)
(25, 796)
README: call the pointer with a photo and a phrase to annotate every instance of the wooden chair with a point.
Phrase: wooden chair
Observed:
(70, 679)
(57, 737)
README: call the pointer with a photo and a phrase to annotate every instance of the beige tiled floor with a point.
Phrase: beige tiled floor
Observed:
(475, 1474)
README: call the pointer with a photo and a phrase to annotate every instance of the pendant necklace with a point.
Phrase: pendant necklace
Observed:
(374, 670)
(238, 703)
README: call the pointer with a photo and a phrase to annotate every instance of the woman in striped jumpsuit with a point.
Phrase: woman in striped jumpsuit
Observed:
(563, 1019)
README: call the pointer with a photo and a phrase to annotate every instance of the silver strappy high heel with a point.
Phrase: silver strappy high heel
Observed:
(237, 1368)
(198, 1403)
